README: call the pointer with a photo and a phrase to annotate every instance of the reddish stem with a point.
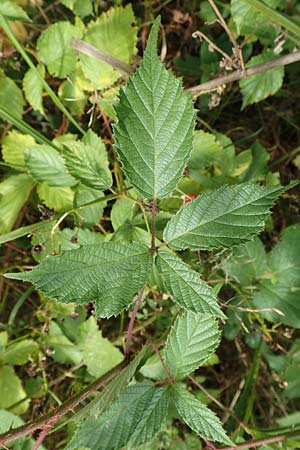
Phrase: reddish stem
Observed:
(132, 319)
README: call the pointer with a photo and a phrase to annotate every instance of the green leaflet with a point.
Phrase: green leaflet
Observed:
(33, 88)
(12, 11)
(84, 162)
(247, 262)
(115, 33)
(14, 192)
(44, 163)
(12, 391)
(155, 126)
(14, 145)
(55, 50)
(258, 87)
(133, 419)
(192, 340)
(198, 416)
(185, 285)
(18, 353)
(11, 97)
(58, 198)
(225, 217)
(281, 290)
(110, 274)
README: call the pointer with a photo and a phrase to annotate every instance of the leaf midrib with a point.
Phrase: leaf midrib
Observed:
(221, 215)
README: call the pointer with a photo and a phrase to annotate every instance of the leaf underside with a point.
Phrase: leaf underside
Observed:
(185, 285)
(225, 217)
(198, 416)
(133, 419)
(110, 274)
(192, 340)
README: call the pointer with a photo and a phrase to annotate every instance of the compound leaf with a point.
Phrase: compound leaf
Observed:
(192, 340)
(133, 419)
(185, 285)
(44, 163)
(155, 126)
(110, 274)
(84, 162)
(225, 217)
(198, 416)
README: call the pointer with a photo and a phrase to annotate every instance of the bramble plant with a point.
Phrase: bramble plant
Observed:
(153, 139)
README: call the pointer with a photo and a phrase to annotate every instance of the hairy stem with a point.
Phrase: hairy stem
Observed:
(52, 417)
(132, 319)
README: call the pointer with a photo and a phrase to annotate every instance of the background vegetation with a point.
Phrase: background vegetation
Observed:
(247, 131)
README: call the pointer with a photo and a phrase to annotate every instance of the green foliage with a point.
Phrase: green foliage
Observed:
(116, 272)
(14, 145)
(46, 164)
(273, 278)
(281, 291)
(9, 421)
(14, 191)
(11, 11)
(33, 88)
(11, 96)
(54, 48)
(114, 33)
(89, 348)
(109, 254)
(137, 416)
(12, 393)
(185, 286)
(198, 417)
(222, 218)
(87, 165)
(258, 87)
(192, 340)
(156, 137)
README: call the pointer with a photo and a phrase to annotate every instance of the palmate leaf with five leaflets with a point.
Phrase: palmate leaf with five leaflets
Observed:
(185, 285)
(155, 126)
(225, 217)
(192, 340)
(110, 274)
(133, 419)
